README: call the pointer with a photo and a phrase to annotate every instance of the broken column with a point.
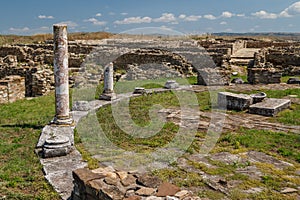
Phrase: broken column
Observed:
(61, 75)
(108, 92)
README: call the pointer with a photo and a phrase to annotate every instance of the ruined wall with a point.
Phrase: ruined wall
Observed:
(286, 60)
(238, 45)
(12, 88)
(265, 44)
(264, 75)
(110, 184)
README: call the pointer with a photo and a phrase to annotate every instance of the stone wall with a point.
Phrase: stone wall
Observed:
(12, 88)
(238, 45)
(285, 60)
(264, 75)
(110, 184)
(264, 44)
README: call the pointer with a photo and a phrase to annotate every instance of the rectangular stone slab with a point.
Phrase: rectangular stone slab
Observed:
(270, 107)
(231, 101)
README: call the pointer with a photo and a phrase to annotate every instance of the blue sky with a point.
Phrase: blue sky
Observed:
(26, 17)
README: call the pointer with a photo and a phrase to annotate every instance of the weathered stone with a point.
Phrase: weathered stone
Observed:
(133, 198)
(128, 180)
(231, 101)
(171, 198)
(264, 75)
(182, 194)
(154, 198)
(122, 175)
(139, 90)
(270, 107)
(237, 81)
(84, 175)
(12, 88)
(61, 73)
(171, 84)
(149, 181)
(108, 93)
(144, 191)
(111, 181)
(167, 189)
(81, 106)
(293, 80)
(288, 190)
(259, 97)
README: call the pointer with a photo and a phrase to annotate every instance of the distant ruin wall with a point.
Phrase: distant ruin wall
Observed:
(12, 88)
(264, 76)
(238, 45)
(265, 44)
(286, 60)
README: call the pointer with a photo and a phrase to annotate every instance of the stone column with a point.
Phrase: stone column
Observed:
(61, 75)
(108, 92)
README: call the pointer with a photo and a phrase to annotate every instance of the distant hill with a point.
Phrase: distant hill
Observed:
(272, 35)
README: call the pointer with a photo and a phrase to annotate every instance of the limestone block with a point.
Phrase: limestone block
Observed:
(270, 107)
(231, 101)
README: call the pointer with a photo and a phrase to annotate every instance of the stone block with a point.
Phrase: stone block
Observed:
(231, 101)
(270, 107)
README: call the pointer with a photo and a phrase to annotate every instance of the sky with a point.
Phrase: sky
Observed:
(28, 17)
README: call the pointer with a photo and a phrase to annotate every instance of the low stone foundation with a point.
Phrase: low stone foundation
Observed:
(270, 107)
(110, 184)
(12, 88)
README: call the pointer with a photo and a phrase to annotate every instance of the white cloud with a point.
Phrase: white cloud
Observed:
(111, 13)
(182, 16)
(70, 24)
(25, 29)
(166, 17)
(98, 15)
(96, 22)
(29, 31)
(265, 15)
(210, 17)
(192, 18)
(227, 14)
(240, 15)
(45, 17)
(124, 13)
(134, 20)
(292, 10)
(223, 23)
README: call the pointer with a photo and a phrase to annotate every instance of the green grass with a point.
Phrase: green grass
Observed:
(21, 175)
(139, 109)
(285, 145)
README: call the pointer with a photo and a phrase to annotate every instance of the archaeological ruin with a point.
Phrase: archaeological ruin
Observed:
(32, 70)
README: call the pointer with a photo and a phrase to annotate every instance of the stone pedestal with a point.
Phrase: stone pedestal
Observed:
(56, 146)
(231, 101)
(55, 141)
(108, 93)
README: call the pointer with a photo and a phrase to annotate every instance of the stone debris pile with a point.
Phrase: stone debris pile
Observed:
(106, 183)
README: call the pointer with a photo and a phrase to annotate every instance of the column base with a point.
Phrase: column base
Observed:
(108, 96)
(56, 146)
(63, 121)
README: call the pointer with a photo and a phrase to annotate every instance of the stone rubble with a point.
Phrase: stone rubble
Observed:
(107, 183)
